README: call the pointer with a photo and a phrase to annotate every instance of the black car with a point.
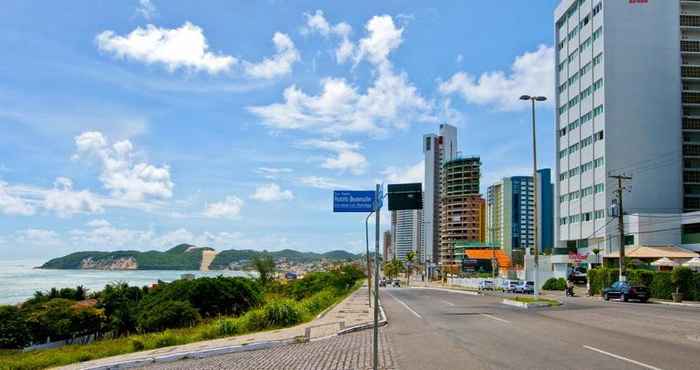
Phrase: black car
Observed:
(626, 291)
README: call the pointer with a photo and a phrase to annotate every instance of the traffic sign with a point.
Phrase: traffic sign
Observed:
(353, 201)
(405, 196)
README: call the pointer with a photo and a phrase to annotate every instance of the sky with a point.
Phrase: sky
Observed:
(142, 124)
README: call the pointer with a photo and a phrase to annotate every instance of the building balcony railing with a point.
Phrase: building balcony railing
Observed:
(690, 20)
(691, 149)
(690, 71)
(691, 123)
(690, 46)
(691, 97)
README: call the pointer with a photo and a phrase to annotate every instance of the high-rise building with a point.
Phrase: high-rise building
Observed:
(406, 233)
(461, 207)
(618, 102)
(510, 221)
(438, 149)
(388, 250)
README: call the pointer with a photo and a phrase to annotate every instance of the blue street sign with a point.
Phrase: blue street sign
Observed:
(353, 201)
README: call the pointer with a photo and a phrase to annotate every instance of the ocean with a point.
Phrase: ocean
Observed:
(19, 279)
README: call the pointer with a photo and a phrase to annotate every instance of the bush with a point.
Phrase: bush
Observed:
(319, 301)
(165, 339)
(14, 332)
(137, 345)
(682, 280)
(602, 277)
(283, 313)
(661, 286)
(555, 284)
(168, 314)
(253, 320)
(641, 277)
(229, 327)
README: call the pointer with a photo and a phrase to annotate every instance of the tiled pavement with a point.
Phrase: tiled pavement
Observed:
(345, 352)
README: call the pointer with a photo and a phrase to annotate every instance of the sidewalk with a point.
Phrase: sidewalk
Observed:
(352, 312)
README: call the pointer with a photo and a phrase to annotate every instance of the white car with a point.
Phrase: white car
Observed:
(487, 285)
(509, 285)
(525, 287)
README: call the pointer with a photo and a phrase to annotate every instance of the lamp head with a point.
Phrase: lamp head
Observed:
(525, 97)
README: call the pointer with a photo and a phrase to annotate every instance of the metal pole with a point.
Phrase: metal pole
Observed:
(621, 224)
(369, 265)
(534, 200)
(376, 282)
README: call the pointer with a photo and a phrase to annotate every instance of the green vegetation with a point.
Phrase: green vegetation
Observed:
(393, 268)
(181, 257)
(555, 284)
(126, 319)
(226, 258)
(265, 266)
(661, 284)
(549, 302)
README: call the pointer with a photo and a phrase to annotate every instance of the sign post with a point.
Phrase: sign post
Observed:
(377, 212)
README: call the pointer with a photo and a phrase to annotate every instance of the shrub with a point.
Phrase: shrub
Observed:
(319, 301)
(14, 332)
(168, 314)
(641, 277)
(165, 339)
(555, 284)
(661, 286)
(282, 313)
(602, 277)
(137, 345)
(228, 327)
(682, 279)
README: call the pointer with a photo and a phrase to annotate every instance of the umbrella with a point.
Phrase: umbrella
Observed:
(664, 262)
(693, 263)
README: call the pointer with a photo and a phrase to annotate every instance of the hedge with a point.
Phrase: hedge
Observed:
(555, 284)
(659, 282)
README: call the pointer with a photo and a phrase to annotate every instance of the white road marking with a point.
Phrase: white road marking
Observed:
(407, 307)
(447, 303)
(495, 318)
(621, 358)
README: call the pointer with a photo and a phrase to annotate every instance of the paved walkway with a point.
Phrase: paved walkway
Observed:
(353, 310)
(345, 352)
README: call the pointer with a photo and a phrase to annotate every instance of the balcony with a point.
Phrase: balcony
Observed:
(690, 20)
(690, 71)
(691, 97)
(690, 46)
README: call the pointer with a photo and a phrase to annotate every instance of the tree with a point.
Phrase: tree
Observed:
(120, 302)
(410, 258)
(265, 266)
(393, 268)
(681, 278)
(168, 314)
(14, 332)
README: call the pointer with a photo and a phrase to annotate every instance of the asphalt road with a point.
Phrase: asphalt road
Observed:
(434, 329)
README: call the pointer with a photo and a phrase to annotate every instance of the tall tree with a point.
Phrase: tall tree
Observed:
(265, 266)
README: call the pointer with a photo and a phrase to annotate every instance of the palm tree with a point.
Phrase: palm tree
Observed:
(410, 257)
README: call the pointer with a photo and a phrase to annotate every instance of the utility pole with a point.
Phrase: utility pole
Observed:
(377, 211)
(369, 265)
(621, 222)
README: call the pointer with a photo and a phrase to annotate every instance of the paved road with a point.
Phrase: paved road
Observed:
(433, 329)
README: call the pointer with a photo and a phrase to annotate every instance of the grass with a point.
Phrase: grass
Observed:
(550, 302)
(275, 314)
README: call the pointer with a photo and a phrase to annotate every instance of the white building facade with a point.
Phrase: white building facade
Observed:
(437, 150)
(407, 233)
(619, 111)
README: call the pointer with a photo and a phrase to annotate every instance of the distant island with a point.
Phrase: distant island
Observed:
(186, 257)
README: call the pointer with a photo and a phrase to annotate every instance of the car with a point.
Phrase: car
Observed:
(525, 287)
(626, 291)
(578, 275)
(382, 283)
(396, 283)
(487, 285)
(508, 286)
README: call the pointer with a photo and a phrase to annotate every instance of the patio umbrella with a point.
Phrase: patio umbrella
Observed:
(664, 262)
(693, 263)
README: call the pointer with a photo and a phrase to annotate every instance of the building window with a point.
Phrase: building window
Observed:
(562, 176)
(562, 87)
(573, 172)
(597, 111)
(598, 135)
(563, 109)
(599, 214)
(597, 33)
(573, 78)
(562, 65)
(586, 92)
(573, 101)
(587, 166)
(587, 141)
(598, 162)
(586, 117)
(562, 132)
(562, 153)
(599, 188)
(585, 68)
(598, 84)
(597, 59)
(588, 216)
(573, 56)
(573, 148)
(562, 221)
(573, 125)
(597, 9)
(562, 198)
(586, 44)
(587, 191)
(572, 33)
(585, 20)
(562, 44)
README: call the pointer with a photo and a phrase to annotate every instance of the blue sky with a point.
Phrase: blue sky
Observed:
(143, 124)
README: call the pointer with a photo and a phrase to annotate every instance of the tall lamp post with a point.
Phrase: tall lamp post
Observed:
(534, 99)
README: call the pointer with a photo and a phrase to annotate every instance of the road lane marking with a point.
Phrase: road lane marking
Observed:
(495, 318)
(447, 303)
(621, 358)
(406, 306)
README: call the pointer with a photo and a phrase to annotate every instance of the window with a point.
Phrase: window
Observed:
(562, 176)
(562, 153)
(587, 191)
(562, 132)
(561, 44)
(585, 68)
(562, 65)
(573, 55)
(599, 214)
(573, 101)
(573, 79)
(586, 44)
(572, 33)
(598, 162)
(585, 20)
(597, 33)
(573, 172)
(562, 221)
(597, 59)
(573, 148)
(586, 92)
(598, 84)
(562, 199)
(562, 87)
(599, 188)
(587, 141)
(597, 9)
(588, 216)
(574, 195)
(573, 125)
(598, 135)
(586, 117)
(587, 166)
(563, 109)
(574, 218)
(597, 111)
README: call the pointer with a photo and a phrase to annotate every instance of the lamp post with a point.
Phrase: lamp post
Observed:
(534, 99)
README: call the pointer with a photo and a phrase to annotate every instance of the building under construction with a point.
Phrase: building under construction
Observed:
(461, 209)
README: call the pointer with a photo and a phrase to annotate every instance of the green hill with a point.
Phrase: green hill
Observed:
(225, 258)
(180, 257)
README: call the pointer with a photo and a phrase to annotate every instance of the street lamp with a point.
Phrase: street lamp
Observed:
(533, 99)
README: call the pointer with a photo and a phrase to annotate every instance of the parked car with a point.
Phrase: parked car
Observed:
(626, 291)
(396, 283)
(487, 285)
(508, 286)
(525, 287)
(579, 275)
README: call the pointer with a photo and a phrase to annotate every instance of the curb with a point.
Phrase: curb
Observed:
(195, 354)
(382, 321)
(460, 291)
(510, 302)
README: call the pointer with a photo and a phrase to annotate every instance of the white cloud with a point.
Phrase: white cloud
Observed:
(320, 182)
(11, 204)
(229, 208)
(146, 9)
(38, 237)
(66, 202)
(125, 178)
(390, 101)
(184, 47)
(410, 174)
(317, 23)
(532, 73)
(346, 156)
(98, 223)
(279, 64)
(271, 192)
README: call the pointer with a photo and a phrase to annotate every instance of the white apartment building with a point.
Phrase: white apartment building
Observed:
(618, 101)
(407, 233)
(437, 149)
